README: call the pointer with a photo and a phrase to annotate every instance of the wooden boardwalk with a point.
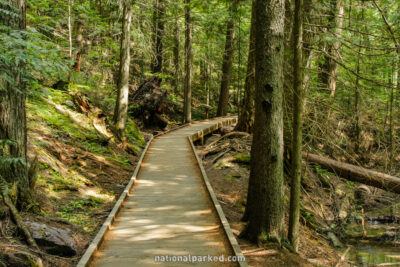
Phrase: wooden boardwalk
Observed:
(169, 211)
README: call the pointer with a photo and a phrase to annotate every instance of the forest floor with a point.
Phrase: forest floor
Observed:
(331, 212)
(79, 179)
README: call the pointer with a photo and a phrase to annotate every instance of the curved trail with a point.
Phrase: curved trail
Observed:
(169, 212)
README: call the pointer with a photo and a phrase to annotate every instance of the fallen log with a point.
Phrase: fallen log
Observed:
(356, 174)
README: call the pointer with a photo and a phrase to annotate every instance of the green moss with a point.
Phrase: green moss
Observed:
(240, 158)
(78, 212)
(120, 159)
(134, 136)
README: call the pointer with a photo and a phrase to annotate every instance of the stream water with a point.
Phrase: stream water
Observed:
(368, 255)
(365, 253)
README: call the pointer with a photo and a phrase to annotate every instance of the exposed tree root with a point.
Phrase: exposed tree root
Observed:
(14, 213)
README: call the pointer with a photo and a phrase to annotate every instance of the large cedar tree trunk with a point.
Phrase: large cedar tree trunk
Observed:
(246, 116)
(265, 202)
(227, 62)
(13, 114)
(121, 106)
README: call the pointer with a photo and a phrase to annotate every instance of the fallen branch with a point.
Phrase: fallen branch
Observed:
(356, 174)
(225, 136)
(14, 213)
(343, 257)
(220, 155)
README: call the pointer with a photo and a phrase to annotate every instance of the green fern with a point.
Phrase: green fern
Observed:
(28, 52)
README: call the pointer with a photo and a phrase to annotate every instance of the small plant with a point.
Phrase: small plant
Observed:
(350, 184)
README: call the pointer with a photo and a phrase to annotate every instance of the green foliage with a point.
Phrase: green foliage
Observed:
(77, 211)
(134, 136)
(9, 162)
(30, 53)
(321, 171)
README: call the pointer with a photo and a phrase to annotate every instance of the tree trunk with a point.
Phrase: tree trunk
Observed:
(79, 45)
(121, 106)
(187, 113)
(77, 66)
(69, 30)
(356, 174)
(246, 117)
(328, 68)
(391, 99)
(176, 57)
(265, 207)
(227, 62)
(298, 99)
(334, 48)
(357, 98)
(13, 114)
(158, 20)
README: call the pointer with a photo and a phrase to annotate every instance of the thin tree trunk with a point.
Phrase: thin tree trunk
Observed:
(357, 105)
(391, 146)
(176, 57)
(78, 62)
(266, 207)
(121, 106)
(298, 99)
(158, 20)
(334, 50)
(227, 62)
(357, 99)
(69, 30)
(79, 45)
(246, 117)
(13, 114)
(187, 113)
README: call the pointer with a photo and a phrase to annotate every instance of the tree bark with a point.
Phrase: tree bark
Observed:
(357, 93)
(69, 30)
(158, 20)
(334, 48)
(187, 113)
(246, 116)
(176, 57)
(121, 106)
(13, 114)
(265, 208)
(227, 62)
(329, 67)
(298, 99)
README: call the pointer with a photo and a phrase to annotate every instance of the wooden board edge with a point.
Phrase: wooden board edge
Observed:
(227, 229)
